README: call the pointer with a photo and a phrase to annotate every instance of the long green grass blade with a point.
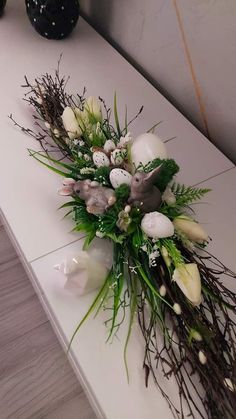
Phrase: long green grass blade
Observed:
(90, 310)
(59, 172)
(116, 116)
(145, 278)
(47, 157)
(133, 307)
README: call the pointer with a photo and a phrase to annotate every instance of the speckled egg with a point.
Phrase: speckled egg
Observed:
(119, 176)
(157, 225)
(100, 159)
(109, 146)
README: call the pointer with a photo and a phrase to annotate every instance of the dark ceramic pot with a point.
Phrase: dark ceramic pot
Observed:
(53, 19)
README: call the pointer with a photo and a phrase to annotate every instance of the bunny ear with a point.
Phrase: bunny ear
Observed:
(153, 175)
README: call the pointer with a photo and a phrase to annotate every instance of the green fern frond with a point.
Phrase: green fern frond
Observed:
(186, 195)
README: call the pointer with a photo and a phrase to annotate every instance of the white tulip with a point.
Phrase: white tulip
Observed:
(147, 147)
(168, 196)
(93, 108)
(187, 277)
(70, 122)
(192, 230)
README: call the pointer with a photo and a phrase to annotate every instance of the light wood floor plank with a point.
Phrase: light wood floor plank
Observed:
(36, 380)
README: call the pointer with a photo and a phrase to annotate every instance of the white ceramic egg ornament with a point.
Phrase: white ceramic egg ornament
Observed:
(147, 147)
(157, 225)
(119, 176)
(87, 270)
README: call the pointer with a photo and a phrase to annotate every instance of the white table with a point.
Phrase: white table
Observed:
(29, 202)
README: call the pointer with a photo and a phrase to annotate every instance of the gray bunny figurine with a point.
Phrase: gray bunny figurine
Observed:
(97, 197)
(143, 193)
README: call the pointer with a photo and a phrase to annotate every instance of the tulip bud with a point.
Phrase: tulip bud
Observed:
(168, 196)
(229, 384)
(187, 277)
(192, 230)
(162, 290)
(165, 255)
(70, 123)
(177, 308)
(92, 108)
(202, 357)
(196, 335)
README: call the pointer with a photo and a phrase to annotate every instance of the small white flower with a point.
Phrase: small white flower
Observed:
(98, 128)
(202, 357)
(80, 155)
(87, 157)
(87, 170)
(127, 208)
(177, 308)
(124, 141)
(76, 141)
(144, 248)
(162, 290)
(81, 143)
(47, 125)
(99, 234)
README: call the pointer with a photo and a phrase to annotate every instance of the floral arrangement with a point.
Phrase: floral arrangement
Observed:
(123, 189)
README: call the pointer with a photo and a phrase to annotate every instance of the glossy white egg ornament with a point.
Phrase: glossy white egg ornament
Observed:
(147, 147)
(157, 225)
(120, 176)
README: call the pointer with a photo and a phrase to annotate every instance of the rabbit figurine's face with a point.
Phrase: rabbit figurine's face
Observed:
(138, 180)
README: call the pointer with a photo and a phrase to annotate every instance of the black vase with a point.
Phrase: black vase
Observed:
(53, 19)
(2, 6)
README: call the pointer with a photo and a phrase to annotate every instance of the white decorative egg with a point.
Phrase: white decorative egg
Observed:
(100, 159)
(147, 147)
(119, 176)
(109, 146)
(157, 225)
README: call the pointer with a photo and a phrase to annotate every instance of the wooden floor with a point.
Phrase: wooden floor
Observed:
(36, 380)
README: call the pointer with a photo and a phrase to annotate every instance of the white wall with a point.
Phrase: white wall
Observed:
(186, 48)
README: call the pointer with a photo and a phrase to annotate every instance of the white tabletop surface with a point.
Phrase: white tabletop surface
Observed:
(29, 202)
